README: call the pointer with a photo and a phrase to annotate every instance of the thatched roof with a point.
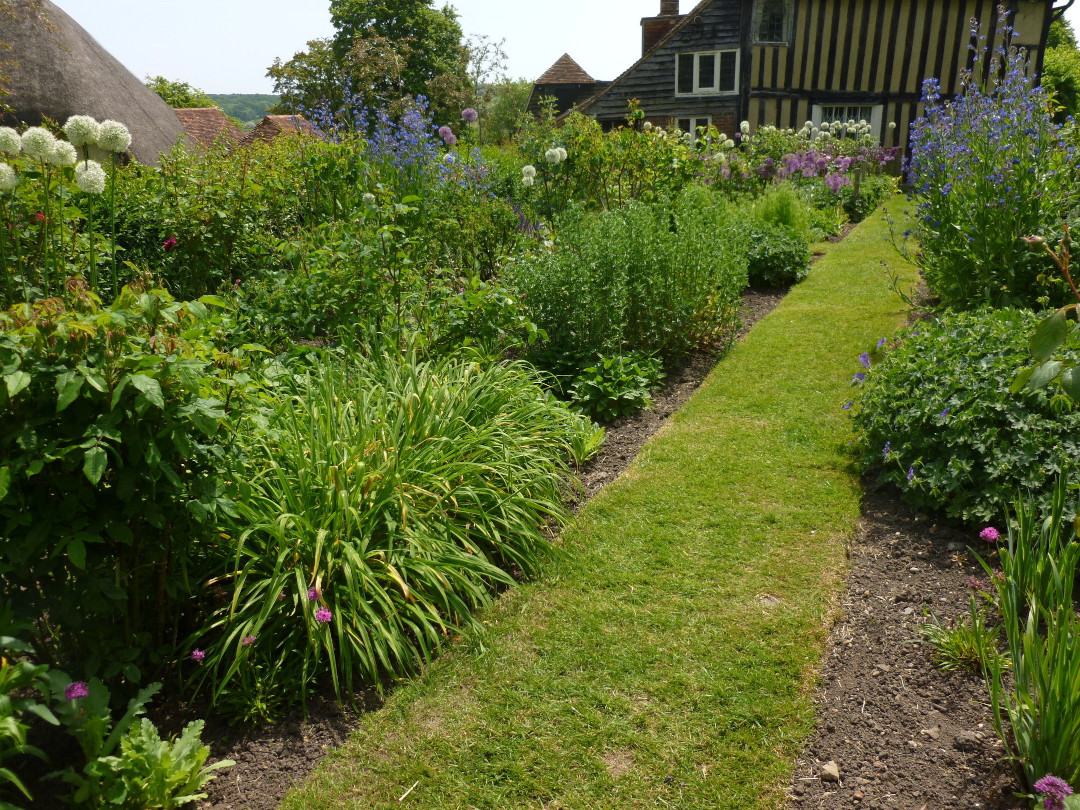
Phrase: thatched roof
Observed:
(56, 69)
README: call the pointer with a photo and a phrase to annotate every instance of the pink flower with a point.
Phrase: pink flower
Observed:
(448, 136)
(247, 641)
(76, 690)
(990, 534)
(323, 616)
(313, 594)
(197, 655)
(169, 243)
(469, 115)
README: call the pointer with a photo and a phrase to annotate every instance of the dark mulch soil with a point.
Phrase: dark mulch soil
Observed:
(902, 733)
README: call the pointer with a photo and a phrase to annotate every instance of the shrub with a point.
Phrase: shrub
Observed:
(782, 205)
(110, 439)
(384, 503)
(616, 386)
(776, 256)
(939, 409)
(989, 167)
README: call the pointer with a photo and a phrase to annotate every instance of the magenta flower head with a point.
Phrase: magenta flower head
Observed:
(169, 243)
(990, 534)
(448, 136)
(974, 584)
(323, 616)
(313, 594)
(197, 655)
(247, 641)
(76, 690)
(1054, 790)
(468, 115)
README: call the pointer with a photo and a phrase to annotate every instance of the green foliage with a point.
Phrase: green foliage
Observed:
(128, 765)
(783, 205)
(178, 94)
(505, 110)
(1061, 79)
(384, 502)
(248, 108)
(22, 683)
(961, 644)
(940, 404)
(616, 386)
(776, 256)
(1061, 35)
(659, 279)
(111, 436)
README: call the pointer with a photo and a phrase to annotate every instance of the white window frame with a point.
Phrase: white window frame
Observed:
(876, 112)
(715, 89)
(696, 121)
(788, 11)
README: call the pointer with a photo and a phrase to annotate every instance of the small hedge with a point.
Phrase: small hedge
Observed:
(776, 256)
(938, 419)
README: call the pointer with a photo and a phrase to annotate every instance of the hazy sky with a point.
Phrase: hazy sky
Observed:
(225, 46)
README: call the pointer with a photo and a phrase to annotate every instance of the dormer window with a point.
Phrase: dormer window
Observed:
(707, 73)
(772, 22)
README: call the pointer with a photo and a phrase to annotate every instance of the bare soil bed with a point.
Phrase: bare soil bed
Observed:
(901, 733)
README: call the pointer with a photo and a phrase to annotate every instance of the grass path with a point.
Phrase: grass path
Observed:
(669, 660)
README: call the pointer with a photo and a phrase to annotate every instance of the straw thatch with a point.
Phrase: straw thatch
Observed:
(54, 68)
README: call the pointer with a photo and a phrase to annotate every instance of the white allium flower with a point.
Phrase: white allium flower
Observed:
(528, 171)
(809, 125)
(82, 130)
(551, 155)
(720, 157)
(38, 143)
(647, 126)
(549, 244)
(114, 137)
(369, 198)
(562, 154)
(662, 135)
(10, 142)
(8, 178)
(729, 144)
(528, 181)
(688, 137)
(723, 137)
(892, 125)
(90, 177)
(63, 154)
(745, 127)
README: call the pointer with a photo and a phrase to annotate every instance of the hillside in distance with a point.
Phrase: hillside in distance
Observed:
(248, 108)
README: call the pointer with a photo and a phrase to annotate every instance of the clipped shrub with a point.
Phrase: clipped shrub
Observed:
(776, 256)
(938, 420)
(111, 437)
(616, 386)
(385, 502)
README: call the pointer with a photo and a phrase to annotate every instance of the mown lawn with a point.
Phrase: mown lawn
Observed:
(669, 659)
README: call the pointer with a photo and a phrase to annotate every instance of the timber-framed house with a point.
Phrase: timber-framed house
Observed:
(784, 62)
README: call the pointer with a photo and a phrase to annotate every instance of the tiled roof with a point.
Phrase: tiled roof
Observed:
(566, 71)
(206, 125)
(274, 125)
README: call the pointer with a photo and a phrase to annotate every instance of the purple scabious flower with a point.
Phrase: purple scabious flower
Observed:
(990, 534)
(197, 655)
(886, 450)
(468, 115)
(858, 378)
(247, 641)
(848, 404)
(76, 690)
(881, 343)
(864, 359)
(323, 616)
(313, 594)
(910, 473)
(1054, 790)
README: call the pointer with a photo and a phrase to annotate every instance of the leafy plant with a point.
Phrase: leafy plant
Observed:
(782, 205)
(962, 643)
(616, 386)
(776, 256)
(938, 419)
(386, 500)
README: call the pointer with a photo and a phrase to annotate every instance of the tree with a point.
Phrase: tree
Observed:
(505, 109)
(487, 64)
(179, 94)
(1061, 70)
(1061, 35)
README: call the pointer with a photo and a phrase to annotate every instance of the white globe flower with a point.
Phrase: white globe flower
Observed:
(82, 130)
(90, 177)
(647, 126)
(10, 142)
(63, 154)
(114, 137)
(8, 178)
(528, 181)
(745, 127)
(892, 125)
(729, 144)
(552, 156)
(563, 155)
(369, 198)
(720, 157)
(723, 137)
(528, 171)
(38, 142)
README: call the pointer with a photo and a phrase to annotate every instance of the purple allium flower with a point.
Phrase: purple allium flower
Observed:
(910, 473)
(990, 534)
(197, 655)
(848, 404)
(247, 641)
(323, 616)
(1054, 790)
(881, 343)
(76, 690)
(313, 594)
(448, 136)
(886, 450)
(858, 378)
(864, 359)
(468, 115)
(974, 584)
